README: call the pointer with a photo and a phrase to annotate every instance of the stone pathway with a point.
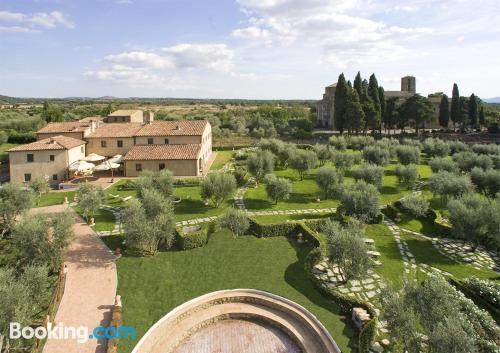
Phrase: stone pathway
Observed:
(461, 253)
(240, 194)
(408, 258)
(90, 288)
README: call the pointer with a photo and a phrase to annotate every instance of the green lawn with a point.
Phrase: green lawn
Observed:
(151, 287)
(54, 198)
(222, 158)
(292, 217)
(392, 267)
(104, 220)
(192, 205)
(426, 253)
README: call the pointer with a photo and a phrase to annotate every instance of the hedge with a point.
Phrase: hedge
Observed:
(481, 300)
(192, 240)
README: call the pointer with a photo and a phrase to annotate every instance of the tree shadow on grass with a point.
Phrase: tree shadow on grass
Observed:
(297, 277)
(389, 190)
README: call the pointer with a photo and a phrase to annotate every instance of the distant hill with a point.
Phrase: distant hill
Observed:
(492, 100)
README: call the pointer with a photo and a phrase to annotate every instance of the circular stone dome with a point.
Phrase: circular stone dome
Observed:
(240, 320)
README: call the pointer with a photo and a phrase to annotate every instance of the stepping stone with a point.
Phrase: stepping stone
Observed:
(371, 294)
(356, 289)
(355, 283)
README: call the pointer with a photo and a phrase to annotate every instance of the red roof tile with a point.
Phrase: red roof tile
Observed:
(163, 152)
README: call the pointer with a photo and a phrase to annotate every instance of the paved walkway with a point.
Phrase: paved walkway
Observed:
(90, 288)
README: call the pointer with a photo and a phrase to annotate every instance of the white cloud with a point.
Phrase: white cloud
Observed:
(218, 57)
(251, 32)
(15, 29)
(35, 20)
(140, 59)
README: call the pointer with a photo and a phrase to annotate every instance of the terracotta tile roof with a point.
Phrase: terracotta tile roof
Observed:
(124, 112)
(116, 130)
(67, 126)
(91, 118)
(162, 152)
(51, 143)
(174, 128)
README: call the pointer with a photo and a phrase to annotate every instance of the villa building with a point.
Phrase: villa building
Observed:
(325, 107)
(184, 147)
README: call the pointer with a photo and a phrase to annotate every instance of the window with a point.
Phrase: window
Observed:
(103, 143)
(82, 149)
(166, 142)
(27, 177)
(30, 158)
(119, 143)
(161, 166)
(52, 158)
(54, 177)
(138, 167)
(150, 141)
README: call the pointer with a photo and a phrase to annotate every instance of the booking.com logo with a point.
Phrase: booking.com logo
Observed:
(81, 333)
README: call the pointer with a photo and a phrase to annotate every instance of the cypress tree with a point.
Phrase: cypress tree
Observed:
(383, 103)
(391, 113)
(373, 93)
(444, 111)
(358, 84)
(455, 106)
(482, 119)
(464, 111)
(340, 103)
(473, 110)
(354, 115)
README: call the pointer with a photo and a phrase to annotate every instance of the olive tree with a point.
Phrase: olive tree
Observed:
(218, 187)
(486, 181)
(468, 218)
(260, 164)
(446, 184)
(407, 174)
(370, 173)
(347, 249)
(40, 186)
(329, 181)
(89, 198)
(41, 239)
(234, 220)
(360, 142)
(408, 154)
(438, 164)
(286, 155)
(278, 189)
(303, 161)
(436, 147)
(162, 182)
(360, 200)
(14, 201)
(338, 142)
(323, 153)
(149, 223)
(415, 204)
(376, 155)
(466, 161)
(344, 161)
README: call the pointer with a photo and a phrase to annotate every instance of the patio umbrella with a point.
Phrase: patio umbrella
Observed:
(94, 157)
(107, 165)
(116, 159)
(80, 166)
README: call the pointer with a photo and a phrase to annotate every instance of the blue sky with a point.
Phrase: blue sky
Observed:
(288, 49)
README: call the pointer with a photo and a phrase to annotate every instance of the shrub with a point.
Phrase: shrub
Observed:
(446, 184)
(329, 181)
(278, 189)
(408, 154)
(287, 154)
(303, 161)
(260, 164)
(407, 174)
(360, 142)
(466, 161)
(360, 200)
(438, 164)
(436, 147)
(239, 175)
(415, 204)
(370, 173)
(376, 155)
(217, 187)
(21, 137)
(388, 144)
(338, 142)
(468, 216)
(234, 220)
(411, 142)
(14, 201)
(488, 182)
(485, 289)
(192, 239)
